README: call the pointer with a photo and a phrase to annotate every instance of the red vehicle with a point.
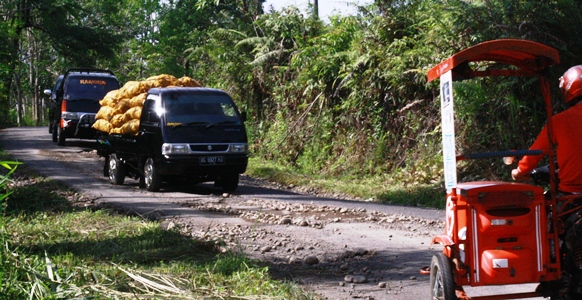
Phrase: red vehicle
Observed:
(501, 233)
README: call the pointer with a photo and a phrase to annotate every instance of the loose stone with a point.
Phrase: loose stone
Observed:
(311, 260)
(360, 279)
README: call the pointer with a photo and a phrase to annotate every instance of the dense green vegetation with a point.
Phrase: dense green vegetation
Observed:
(342, 99)
(54, 248)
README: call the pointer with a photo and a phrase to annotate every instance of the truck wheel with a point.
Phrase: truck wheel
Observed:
(55, 133)
(106, 167)
(116, 170)
(152, 179)
(61, 139)
(50, 127)
(442, 284)
(229, 182)
(142, 184)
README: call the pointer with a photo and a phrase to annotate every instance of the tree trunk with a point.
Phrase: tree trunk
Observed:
(18, 89)
(315, 9)
(7, 81)
(38, 100)
(33, 78)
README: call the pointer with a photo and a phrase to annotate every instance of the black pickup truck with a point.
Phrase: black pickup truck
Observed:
(74, 102)
(185, 136)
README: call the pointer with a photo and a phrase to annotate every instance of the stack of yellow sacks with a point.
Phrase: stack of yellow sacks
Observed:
(121, 109)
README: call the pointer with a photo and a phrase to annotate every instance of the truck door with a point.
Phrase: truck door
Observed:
(150, 130)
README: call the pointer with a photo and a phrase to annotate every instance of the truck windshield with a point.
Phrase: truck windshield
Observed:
(89, 88)
(209, 110)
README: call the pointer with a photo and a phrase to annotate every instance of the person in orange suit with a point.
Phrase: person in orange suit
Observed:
(567, 135)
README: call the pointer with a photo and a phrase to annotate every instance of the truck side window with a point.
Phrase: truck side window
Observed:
(149, 114)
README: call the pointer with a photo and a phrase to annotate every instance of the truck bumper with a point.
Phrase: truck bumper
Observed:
(82, 128)
(198, 166)
(72, 131)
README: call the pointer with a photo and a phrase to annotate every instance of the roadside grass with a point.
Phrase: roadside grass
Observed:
(55, 248)
(383, 189)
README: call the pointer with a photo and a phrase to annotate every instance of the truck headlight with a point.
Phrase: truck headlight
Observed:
(239, 148)
(67, 115)
(168, 149)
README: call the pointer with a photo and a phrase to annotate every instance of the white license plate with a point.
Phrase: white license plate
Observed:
(212, 160)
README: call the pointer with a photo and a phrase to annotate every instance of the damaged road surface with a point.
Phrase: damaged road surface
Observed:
(338, 248)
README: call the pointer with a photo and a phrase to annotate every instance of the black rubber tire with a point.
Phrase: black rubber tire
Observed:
(117, 170)
(106, 167)
(50, 127)
(229, 182)
(152, 179)
(55, 132)
(61, 139)
(142, 184)
(442, 283)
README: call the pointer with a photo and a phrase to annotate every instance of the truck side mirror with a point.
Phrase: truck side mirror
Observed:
(47, 92)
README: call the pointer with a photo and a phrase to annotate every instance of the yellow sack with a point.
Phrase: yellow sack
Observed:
(133, 113)
(131, 89)
(130, 127)
(110, 98)
(163, 80)
(115, 131)
(188, 82)
(102, 125)
(118, 120)
(121, 107)
(138, 100)
(104, 113)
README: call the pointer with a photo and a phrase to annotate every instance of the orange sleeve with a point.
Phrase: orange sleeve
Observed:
(528, 163)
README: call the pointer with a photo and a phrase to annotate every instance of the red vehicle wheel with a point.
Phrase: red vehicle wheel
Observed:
(442, 284)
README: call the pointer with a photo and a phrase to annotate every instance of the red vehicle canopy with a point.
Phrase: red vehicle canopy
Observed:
(528, 57)
(505, 57)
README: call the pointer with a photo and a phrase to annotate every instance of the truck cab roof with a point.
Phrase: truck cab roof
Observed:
(202, 90)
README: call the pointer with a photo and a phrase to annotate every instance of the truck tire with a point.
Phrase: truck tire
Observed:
(61, 139)
(229, 182)
(55, 132)
(142, 184)
(152, 179)
(106, 166)
(116, 170)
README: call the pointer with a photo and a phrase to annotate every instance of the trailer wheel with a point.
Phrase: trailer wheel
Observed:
(442, 284)
(152, 179)
(55, 132)
(61, 139)
(116, 170)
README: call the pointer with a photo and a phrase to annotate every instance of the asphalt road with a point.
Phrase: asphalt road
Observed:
(399, 253)
(33, 146)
